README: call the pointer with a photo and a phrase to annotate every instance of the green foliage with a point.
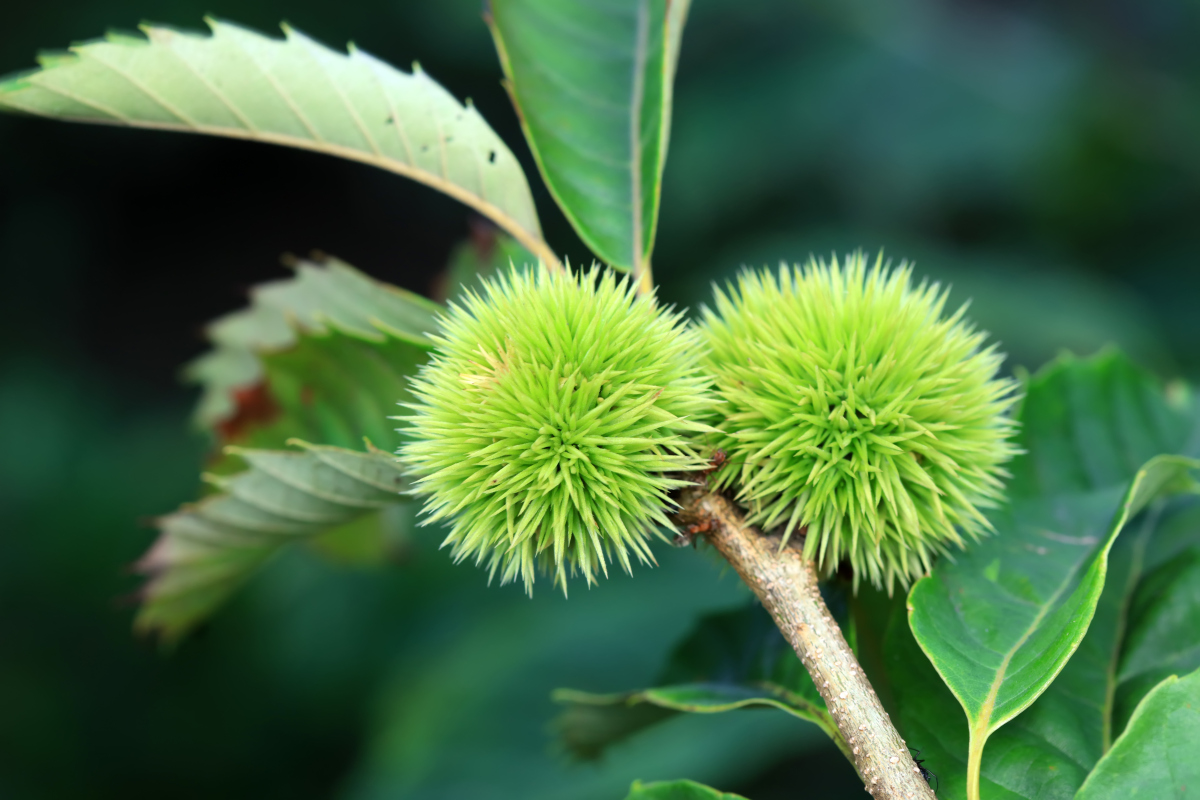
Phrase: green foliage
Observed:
(485, 255)
(320, 357)
(205, 551)
(593, 87)
(1061, 637)
(1002, 619)
(550, 421)
(859, 413)
(730, 660)
(1162, 619)
(676, 790)
(1156, 755)
(293, 92)
(321, 297)
(465, 711)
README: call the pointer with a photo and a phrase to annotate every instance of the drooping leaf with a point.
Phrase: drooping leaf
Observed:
(329, 354)
(731, 660)
(294, 92)
(206, 550)
(677, 790)
(1158, 755)
(592, 84)
(1002, 620)
(321, 296)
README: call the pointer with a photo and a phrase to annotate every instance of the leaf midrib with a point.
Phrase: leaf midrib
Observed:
(640, 51)
(988, 705)
(370, 153)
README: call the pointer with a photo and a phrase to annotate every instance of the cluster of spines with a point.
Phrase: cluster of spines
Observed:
(553, 422)
(856, 413)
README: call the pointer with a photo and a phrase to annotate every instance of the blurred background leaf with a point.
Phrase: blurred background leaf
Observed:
(1041, 158)
(730, 660)
(676, 790)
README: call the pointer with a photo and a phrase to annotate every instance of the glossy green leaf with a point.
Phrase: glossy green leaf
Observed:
(677, 790)
(322, 357)
(592, 84)
(320, 297)
(731, 660)
(293, 92)
(1001, 621)
(1163, 634)
(1158, 755)
(929, 717)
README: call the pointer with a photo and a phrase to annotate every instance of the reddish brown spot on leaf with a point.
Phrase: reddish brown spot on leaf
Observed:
(253, 406)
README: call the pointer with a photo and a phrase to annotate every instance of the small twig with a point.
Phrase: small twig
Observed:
(786, 583)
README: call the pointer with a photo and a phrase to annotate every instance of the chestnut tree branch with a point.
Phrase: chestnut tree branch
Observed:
(786, 583)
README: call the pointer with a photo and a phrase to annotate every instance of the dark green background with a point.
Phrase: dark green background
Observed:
(1044, 158)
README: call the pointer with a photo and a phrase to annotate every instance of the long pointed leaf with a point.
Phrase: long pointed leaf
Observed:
(294, 92)
(592, 83)
(321, 297)
(327, 354)
(1158, 754)
(1001, 622)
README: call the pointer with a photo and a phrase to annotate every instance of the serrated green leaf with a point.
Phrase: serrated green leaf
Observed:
(321, 298)
(677, 790)
(731, 660)
(336, 389)
(293, 92)
(1000, 623)
(1158, 755)
(206, 550)
(330, 352)
(593, 86)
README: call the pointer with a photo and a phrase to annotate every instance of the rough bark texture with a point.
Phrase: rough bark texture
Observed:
(786, 584)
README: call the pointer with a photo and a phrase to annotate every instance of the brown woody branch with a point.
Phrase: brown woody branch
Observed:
(786, 583)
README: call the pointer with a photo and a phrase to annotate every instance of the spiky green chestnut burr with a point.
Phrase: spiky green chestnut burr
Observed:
(551, 423)
(857, 412)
